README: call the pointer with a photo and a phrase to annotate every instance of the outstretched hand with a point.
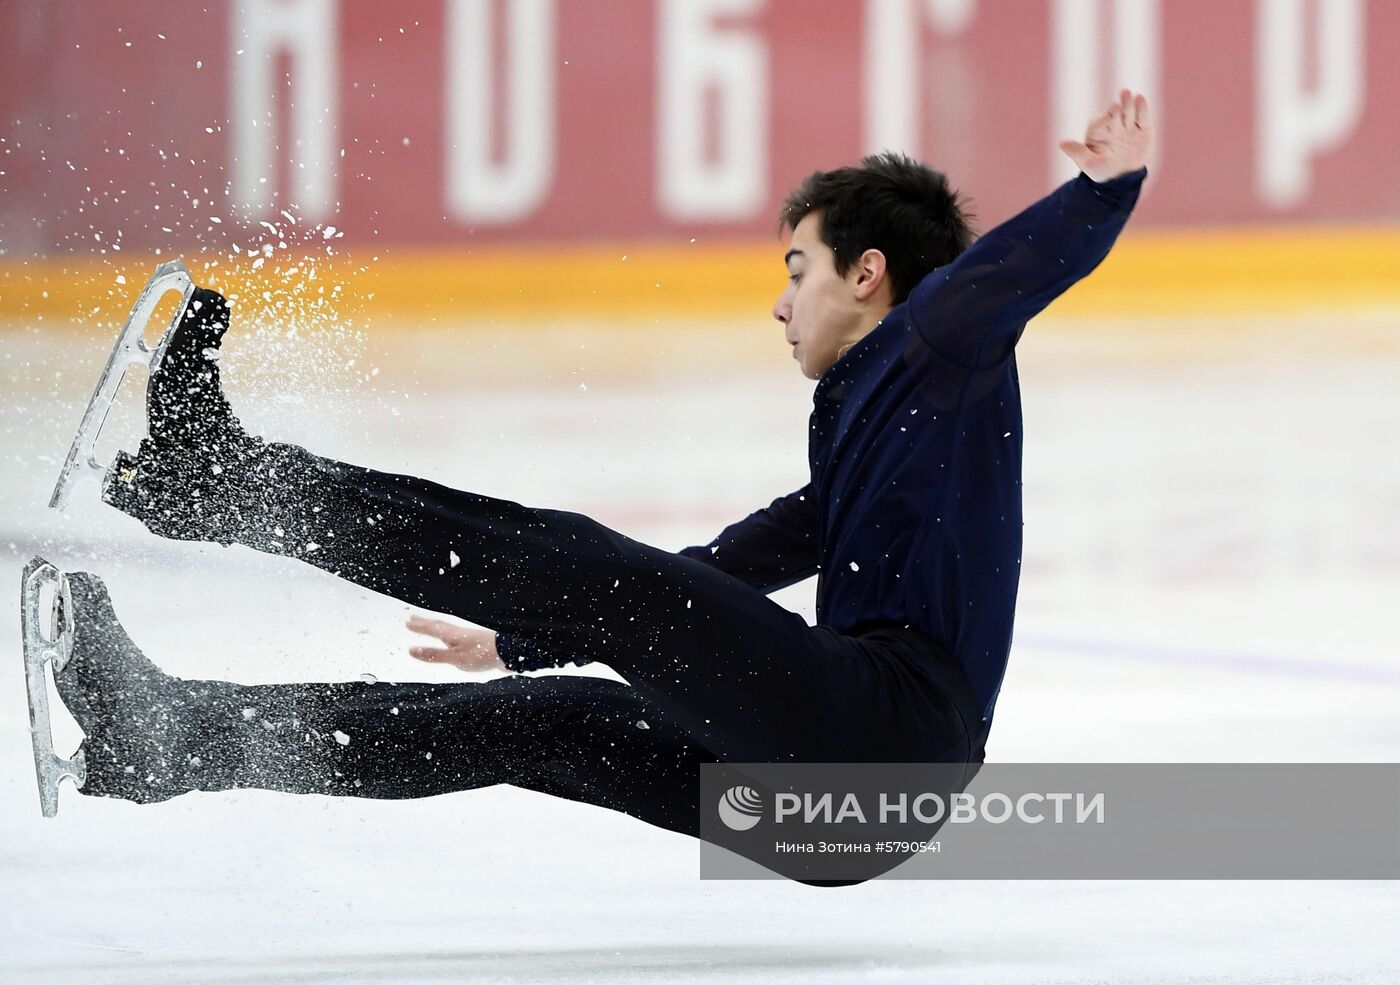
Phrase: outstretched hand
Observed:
(465, 647)
(1117, 142)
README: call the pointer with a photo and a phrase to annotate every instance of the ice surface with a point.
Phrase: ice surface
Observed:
(1212, 559)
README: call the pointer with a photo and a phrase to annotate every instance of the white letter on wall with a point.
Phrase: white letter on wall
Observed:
(305, 30)
(1295, 124)
(482, 186)
(699, 65)
(893, 80)
(1081, 89)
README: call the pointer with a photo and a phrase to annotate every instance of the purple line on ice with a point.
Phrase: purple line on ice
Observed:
(1219, 660)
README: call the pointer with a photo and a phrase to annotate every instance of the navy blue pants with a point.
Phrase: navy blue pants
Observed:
(716, 671)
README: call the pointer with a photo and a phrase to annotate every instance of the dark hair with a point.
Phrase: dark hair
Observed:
(889, 203)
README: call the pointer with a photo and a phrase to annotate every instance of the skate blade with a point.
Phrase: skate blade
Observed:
(47, 640)
(130, 350)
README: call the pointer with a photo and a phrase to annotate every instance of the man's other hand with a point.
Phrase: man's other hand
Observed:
(469, 648)
(1117, 142)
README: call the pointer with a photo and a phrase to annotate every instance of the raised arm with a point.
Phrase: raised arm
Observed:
(973, 310)
(767, 550)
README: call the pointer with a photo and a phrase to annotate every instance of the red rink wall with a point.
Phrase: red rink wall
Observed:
(467, 124)
(566, 120)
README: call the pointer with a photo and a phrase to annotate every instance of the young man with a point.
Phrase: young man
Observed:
(912, 519)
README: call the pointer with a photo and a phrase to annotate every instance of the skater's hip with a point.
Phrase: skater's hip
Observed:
(946, 696)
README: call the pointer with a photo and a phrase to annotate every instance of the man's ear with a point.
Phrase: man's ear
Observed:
(870, 274)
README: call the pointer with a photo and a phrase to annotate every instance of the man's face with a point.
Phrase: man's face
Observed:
(820, 309)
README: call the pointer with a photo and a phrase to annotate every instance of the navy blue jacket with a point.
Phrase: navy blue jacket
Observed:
(912, 516)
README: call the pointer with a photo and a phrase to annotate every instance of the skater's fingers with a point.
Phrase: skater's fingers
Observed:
(1077, 152)
(1097, 124)
(1140, 111)
(442, 629)
(479, 660)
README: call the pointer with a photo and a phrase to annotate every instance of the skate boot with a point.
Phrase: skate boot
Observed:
(131, 714)
(149, 736)
(187, 480)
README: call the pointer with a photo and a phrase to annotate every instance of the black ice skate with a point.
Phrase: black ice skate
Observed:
(149, 736)
(127, 708)
(48, 639)
(182, 481)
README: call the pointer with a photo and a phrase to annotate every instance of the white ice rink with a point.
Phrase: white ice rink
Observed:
(1211, 573)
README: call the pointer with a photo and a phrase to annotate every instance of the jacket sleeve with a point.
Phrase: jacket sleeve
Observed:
(771, 548)
(973, 310)
(767, 550)
(522, 653)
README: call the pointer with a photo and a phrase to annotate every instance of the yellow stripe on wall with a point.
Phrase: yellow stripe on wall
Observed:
(1150, 273)
(1228, 271)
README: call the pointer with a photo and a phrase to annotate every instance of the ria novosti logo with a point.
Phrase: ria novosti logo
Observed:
(740, 808)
